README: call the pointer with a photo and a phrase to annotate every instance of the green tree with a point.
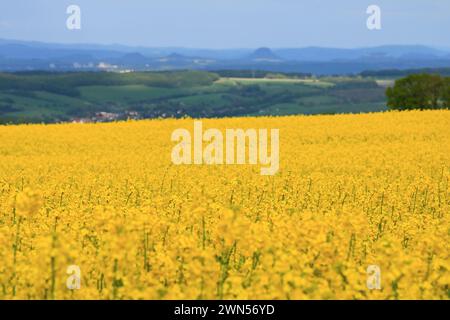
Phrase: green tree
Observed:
(417, 91)
(446, 93)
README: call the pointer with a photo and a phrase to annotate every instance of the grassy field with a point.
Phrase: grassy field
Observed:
(62, 98)
(313, 82)
(103, 202)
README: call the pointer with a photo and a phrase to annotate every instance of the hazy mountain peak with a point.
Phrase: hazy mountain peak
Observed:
(27, 55)
(175, 55)
(134, 55)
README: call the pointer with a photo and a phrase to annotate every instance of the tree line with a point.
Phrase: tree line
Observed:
(397, 73)
(419, 91)
(67, 83)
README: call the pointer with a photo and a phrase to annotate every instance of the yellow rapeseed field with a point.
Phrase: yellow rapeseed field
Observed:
(352, 191)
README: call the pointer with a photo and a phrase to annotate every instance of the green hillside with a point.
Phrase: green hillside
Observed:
(55, 97)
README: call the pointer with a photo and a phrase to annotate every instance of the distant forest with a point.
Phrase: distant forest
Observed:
(396, 73)
(66, 83)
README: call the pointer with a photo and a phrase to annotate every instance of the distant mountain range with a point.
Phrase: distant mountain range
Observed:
(32, 56)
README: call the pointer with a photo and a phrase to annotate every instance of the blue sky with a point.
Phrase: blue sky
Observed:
(229, 23)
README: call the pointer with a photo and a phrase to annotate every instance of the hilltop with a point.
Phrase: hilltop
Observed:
(32, 56)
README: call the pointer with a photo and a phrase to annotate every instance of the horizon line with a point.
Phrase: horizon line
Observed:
(443, 47)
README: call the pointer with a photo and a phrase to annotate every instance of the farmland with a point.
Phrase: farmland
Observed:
(51, 97)
(353, 191)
